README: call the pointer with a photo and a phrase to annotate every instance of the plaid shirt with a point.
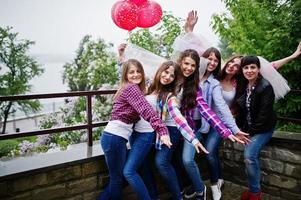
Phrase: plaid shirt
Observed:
(131, 104)
(172, 108)
(208, 115)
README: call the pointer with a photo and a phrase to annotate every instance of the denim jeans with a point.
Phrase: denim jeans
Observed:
(191, 167)
(212, 141)
(163, 162)
(114, 148)
(141, 144)
(251, 157)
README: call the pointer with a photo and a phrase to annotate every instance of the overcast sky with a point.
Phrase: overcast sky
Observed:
(57, 26)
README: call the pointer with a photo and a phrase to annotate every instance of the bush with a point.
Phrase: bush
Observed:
(6, 146)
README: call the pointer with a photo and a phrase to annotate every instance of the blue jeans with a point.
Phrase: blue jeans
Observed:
(114, 148)
(141, 144)
(212, 143)
(163, 162)
(251, 157)
(191, 167)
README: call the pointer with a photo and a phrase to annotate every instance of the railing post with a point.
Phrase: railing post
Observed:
(89, 118)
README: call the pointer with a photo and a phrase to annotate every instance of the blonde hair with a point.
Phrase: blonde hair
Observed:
(124, 81)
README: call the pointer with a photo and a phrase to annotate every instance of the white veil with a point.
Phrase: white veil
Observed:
(277, 81)
(191, 41)
(150, 61)
(203, 66)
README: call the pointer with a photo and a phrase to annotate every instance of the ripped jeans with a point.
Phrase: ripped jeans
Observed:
(251, 158)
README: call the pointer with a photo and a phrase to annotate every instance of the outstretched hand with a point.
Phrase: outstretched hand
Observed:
(297, 53)
(243, 137)
(198, 146)
(165, 139)
(191, 21)
(233, 138)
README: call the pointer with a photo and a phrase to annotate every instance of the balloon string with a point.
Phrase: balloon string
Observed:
(128, 36)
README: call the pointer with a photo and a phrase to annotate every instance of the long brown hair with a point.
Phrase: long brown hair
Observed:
(156, 85)
(189, 84)
(124, 81)
(217, 54)
(222, 74)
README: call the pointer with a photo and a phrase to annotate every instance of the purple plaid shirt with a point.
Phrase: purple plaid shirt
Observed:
(208, 115)
(131, 104)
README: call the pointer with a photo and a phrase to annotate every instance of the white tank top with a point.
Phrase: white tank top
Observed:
(143, 126)
(229, 96)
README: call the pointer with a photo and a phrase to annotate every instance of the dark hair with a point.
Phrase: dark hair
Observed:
(247, 60)
(156, 85)
(216, 52)
(223, 73)
(190, 84)
(243, 82)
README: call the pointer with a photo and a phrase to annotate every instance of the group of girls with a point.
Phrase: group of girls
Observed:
(181, 103)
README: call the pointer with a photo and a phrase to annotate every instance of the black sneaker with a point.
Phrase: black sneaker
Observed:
(201, 195)
(189, 193)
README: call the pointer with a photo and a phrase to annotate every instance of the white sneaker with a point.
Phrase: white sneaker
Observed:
(216, 192)
(220, 184)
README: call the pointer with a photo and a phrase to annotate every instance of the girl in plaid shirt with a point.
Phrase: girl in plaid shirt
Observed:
(129, 105)
(161, 95)
(191, 99)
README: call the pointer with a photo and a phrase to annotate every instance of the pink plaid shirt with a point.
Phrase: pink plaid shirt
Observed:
(131, 104)
(208, 115)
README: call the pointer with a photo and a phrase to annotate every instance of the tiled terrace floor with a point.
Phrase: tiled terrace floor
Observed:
(230, 192)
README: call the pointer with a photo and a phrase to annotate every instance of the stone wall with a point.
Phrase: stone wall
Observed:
(78, 181)
(83, 179)
(280, 163)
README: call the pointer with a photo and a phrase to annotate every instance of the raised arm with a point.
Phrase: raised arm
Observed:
(120, 59)
(121, 49)
(191, 21)
(279, 63)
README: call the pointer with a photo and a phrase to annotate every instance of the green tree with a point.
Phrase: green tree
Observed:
(93, 66)
(17, 69)
(159, 41)
(268, 28)
(226, 51)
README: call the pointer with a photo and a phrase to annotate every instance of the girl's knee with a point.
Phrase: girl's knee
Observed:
(160, 163)
(188, 161)
(128, 172)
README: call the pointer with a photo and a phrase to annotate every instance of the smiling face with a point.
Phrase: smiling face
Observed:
(134, 75)
(233, 66)
(250, 72)
(188, 66)
(167, 76)
(213, 62)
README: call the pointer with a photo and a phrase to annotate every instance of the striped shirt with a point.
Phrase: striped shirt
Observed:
(131, 104)
(179, 120)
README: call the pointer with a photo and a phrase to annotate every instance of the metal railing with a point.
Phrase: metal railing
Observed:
(88, 126)
(289, 119)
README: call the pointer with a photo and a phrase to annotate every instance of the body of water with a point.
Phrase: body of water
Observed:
(50, 81)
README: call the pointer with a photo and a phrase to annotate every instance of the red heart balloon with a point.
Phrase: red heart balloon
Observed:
(138, 2)
(125, 15)
(149, 14)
